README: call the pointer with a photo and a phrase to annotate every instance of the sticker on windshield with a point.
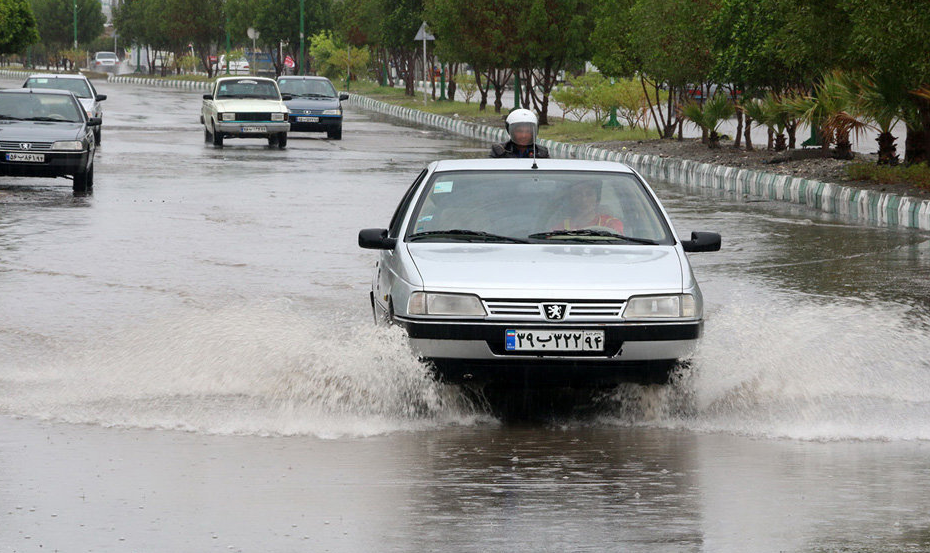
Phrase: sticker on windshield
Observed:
(425, 218)
(41, 81)
(442, 187)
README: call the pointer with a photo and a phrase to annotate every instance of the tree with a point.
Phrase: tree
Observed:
(611, 49)
(709, 116)
(17, 26)
(55, 20)
(196, 22)
(401, 20)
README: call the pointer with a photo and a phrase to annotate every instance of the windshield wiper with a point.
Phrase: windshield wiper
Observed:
(48, 119)
(10, 118)
(584, 233)
(462, 234)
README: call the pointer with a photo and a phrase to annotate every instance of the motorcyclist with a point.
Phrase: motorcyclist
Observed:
(522, 126)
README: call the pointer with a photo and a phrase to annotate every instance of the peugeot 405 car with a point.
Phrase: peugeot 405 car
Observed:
(315, 106)
(46, 133)
(562, 271)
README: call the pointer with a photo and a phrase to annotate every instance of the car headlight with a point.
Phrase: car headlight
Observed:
(332, 112)
(229, 116)
(661, 307)
(430, 303)
(72, 145)
(278, 116)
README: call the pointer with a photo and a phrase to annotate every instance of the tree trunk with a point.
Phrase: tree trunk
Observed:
(770, 145)
(713, 140)
(887, 151)
(747, 134)
(450, 78)
(482, 90)
(738, 139)
(914, 151)
(792, 129)
(780, 142)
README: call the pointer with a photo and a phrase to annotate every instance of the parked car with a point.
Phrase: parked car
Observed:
(108, 62)
(314, 105)
(245, 107)
(236, 66)
(46, 133)
(563, 271)
(81, 87)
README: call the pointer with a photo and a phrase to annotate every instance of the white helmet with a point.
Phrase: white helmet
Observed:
(522, 119)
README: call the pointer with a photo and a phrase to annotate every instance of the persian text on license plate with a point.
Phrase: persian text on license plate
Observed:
(553, 340)
(33, 158)
(254, 129)
(308, 119)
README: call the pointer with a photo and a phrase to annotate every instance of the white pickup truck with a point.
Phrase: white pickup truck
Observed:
(245, 107)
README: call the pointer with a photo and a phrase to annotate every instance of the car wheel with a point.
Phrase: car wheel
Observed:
(83, 182)
(217, 138)
(272, 140)
(97, 134)
(207, 135)
(335, 135)
(282, 140)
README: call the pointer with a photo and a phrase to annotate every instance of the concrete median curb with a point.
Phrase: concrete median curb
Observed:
(164, 83)
(853, 203)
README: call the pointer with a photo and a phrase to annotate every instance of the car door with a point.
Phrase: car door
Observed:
(386, 273)
(208, 109)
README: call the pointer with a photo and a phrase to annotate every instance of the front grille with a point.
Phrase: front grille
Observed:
(33, 146)
(252, 117)
(533, 310)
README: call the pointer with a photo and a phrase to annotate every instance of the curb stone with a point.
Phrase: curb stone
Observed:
(878, 208)
(163, 83)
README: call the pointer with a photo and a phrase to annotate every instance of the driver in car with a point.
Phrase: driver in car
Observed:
(583, 209)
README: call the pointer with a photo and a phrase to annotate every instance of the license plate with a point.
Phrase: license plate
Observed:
(254, 129)
(553, 340)
(33, 158)
(308, 119)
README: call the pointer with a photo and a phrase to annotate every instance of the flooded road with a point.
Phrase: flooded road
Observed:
(187, 363)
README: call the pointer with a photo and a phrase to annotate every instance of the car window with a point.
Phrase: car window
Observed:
(518, 204)
(398, 218)
(79, 87)
(307, 87)
(248, 88)
(106, 56)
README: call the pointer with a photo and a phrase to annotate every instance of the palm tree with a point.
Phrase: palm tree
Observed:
(882, 100)
(831, 110)
(709, 117)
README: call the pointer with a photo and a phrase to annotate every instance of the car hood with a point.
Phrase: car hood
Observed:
(547, 271)
(249, 104)
(313, 103)
(39, 131)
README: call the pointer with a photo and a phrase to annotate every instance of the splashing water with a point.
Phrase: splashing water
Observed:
(261, 371)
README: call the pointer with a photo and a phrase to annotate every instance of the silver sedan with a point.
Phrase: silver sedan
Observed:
(559, 271)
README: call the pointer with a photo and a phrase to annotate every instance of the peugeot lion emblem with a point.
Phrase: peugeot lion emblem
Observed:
(554, 311)
(25, 146)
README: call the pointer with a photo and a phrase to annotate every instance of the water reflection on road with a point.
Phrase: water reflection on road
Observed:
(206, 313)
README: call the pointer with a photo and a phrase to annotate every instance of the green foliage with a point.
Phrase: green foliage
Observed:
(55, 20)
(812, 37)
(831, 109)
(592, 92)
(673, 39)
(479, 33)
(188, 63)
(332, 59)
(467, 86)
(18, 27)
(743, 50)
(611, 49)
(917, 174)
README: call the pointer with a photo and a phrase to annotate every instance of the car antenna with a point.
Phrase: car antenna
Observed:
(534, 151)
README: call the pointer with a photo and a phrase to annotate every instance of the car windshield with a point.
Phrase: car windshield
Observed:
(536, 206)
(39, 107)
(248, 88)
(307, 87)
(79, 87)
(106, 56)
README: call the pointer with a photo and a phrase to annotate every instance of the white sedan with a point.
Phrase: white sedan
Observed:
(245, 107)
(554, 271)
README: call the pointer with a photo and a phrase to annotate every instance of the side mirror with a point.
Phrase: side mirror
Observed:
(286, 97)
(207, 96)
(94, 122)
(100, 97)
(702, 242)
(343, 96)
(376, 239)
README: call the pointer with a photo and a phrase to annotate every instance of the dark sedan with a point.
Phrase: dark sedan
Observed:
(46, 133)
(315, 106)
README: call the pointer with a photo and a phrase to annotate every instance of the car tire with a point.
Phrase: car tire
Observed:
(272, 140)
(83, 182)
(207, 137)
(97, 134)
(217, 138)
(282, 140)
(335, 135)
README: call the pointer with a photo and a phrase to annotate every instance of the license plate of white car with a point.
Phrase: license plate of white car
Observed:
(33, 158)
(308, 119)
(553, 340)
(254, 129)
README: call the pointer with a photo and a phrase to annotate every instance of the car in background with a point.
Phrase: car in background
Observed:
(82, 88)
(538, 272)
(46, 133)
(245, 107)
(315, 106)
(107, 62)
(236, 66)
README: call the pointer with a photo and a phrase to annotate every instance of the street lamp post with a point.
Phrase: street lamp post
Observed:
(300, 55)
(75, 24)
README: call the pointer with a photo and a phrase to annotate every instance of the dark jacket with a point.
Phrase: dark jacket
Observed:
(509, 149)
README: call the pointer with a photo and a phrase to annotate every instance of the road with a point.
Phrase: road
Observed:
(187, 363)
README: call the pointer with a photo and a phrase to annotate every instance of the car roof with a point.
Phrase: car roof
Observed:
(512, 164)
(304, 77)
(56, 76)
(109, 53)
(37, 91)
(247, 77)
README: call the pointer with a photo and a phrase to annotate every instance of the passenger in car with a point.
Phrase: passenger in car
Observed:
(582, 209)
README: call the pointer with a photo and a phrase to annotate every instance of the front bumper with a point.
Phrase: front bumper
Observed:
(326, 123)
(56, 164)
(239, 128)
(466, 350)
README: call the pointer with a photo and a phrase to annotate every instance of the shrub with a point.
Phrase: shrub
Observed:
(917, 174)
